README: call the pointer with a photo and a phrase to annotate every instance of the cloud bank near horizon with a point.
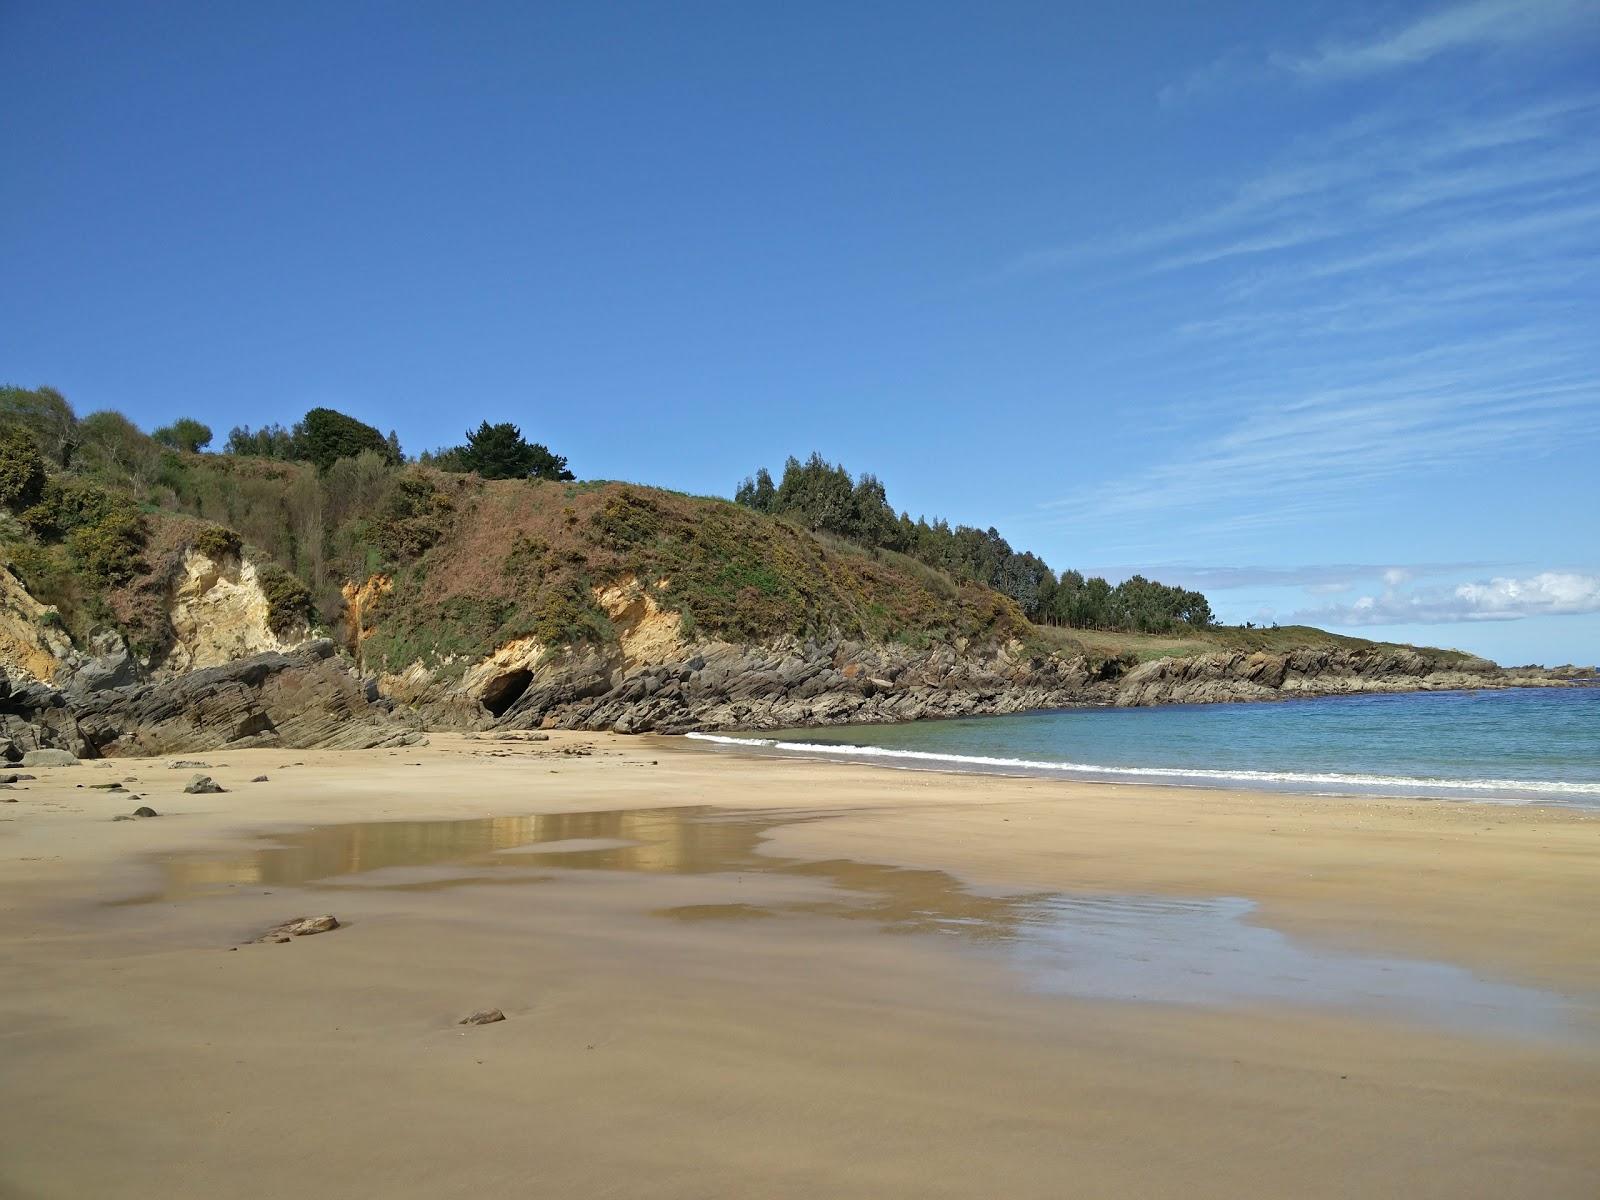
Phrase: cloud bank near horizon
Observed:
(1502, 598)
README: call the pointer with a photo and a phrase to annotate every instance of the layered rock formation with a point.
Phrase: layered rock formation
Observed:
(789, 684)
(307, 697)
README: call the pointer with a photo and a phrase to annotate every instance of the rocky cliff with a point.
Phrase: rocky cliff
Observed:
(789, 683)
(226, 677)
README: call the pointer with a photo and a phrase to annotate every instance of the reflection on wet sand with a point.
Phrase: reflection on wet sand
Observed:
(1204, 950)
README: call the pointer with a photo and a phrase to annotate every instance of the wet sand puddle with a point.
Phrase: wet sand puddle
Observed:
(1198, 951)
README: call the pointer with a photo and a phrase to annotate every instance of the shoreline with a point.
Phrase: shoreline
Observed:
(638, 982)
(957, 756)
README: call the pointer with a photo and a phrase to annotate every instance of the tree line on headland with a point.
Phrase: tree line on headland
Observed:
(102, 469)
(825, 498)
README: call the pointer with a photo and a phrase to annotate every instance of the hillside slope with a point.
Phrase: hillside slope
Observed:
(460, 603)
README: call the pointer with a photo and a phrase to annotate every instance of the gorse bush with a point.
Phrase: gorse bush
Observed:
(218, 543)
(108, 549)
(413, 518)
(22, 473)
(288, 600)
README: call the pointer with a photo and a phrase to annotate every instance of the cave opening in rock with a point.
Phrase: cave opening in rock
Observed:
(505, 690)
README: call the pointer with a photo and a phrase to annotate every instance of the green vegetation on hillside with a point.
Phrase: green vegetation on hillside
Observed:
(95, 517)
(472, 562)
(825, 499)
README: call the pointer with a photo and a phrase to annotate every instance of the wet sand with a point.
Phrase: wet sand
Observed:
(728, 975)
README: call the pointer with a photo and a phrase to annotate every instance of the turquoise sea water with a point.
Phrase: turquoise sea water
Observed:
(1523, 744)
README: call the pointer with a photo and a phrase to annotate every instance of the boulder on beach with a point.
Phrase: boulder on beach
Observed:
(49, 758)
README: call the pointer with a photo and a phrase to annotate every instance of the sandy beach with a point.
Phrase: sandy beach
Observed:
(729, 975)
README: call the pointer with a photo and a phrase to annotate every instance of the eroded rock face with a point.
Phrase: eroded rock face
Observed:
(360, 602)
(219, 614)
(32, 641)
(645, 632)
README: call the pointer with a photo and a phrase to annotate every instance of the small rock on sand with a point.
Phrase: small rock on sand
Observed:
(203, 785)
(484, 1016)
(259, 779)
(144, 810)
(187, 764)
(300, 927)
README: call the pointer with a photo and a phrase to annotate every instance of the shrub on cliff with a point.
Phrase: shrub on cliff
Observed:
(44, 413)
(217, 542)
(113, 450)
(413, 518)
(288, 600)
(107, 550)
(22, 474)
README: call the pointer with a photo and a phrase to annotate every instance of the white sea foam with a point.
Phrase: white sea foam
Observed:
(979, 762)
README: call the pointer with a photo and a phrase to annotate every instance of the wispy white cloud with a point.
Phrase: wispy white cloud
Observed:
(1361, 177)
(1479, 24)
(1502, 598)
(1311, 451)
(1406, 294)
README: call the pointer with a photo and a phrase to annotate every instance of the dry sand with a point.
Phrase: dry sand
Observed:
(818, 982)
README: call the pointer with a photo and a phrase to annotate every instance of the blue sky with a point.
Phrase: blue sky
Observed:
(1297, 303)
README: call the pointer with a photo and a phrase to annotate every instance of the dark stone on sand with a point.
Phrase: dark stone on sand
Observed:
(484, 1016)
(144, 810)
(203, 785)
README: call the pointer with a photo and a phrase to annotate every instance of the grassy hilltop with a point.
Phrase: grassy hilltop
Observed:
(98, 516)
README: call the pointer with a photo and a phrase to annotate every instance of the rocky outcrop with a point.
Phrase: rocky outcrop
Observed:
(1212, 678)
(785, 683)
(790, 683)
(35, 716)
(307, 697)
